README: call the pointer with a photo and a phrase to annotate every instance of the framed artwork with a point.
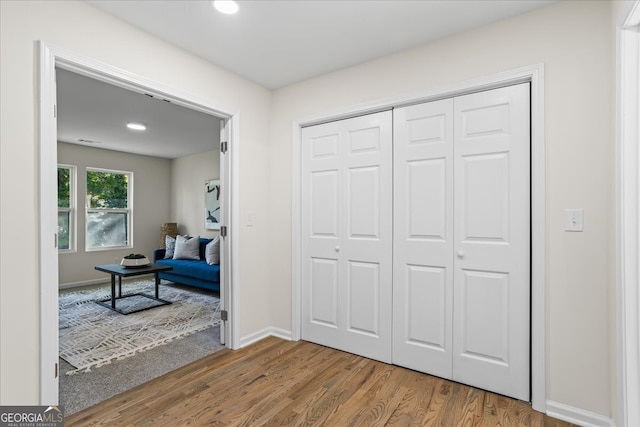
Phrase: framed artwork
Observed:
(212, 204)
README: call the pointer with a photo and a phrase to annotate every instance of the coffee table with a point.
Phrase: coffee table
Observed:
(120, 271)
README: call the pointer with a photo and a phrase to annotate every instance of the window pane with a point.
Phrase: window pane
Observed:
(63, 230)
(64, 187)
(107, 190)
(107, 229)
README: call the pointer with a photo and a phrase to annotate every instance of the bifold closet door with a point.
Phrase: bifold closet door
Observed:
(462, 239)
(347, 235)
(492, 233)
(423, 237)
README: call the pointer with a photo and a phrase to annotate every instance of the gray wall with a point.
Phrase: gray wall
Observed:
(187, 191)
(151, 207)
(164, 191)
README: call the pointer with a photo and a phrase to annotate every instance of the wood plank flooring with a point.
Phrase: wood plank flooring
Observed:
(282, 383)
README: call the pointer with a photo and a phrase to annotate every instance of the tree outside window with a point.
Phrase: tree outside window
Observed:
(66, 208)
(108, 209)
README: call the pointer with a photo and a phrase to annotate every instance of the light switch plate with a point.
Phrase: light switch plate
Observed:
(573, 220)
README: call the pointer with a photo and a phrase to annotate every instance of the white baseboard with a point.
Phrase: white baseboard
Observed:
(577, 416)
(83, 283)
(266, 332)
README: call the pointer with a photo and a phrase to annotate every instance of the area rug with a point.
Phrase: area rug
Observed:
(92, 335)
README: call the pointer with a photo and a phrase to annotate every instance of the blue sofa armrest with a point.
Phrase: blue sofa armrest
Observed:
(158, 254)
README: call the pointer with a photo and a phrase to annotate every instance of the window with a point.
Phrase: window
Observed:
(66, 208)
(109, 209)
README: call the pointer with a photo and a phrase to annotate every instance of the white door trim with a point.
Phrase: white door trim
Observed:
(533, 74)
(51, 57)
(628, 233)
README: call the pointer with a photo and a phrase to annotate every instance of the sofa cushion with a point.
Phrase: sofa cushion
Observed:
(170, 245)
(197, 269)
(212, 252)
(187, 248)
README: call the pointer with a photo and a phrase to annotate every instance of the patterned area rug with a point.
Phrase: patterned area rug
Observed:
(92, 335)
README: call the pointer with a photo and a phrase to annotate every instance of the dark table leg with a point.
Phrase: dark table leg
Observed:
(119, 286)
(157, 283)
(113, 291)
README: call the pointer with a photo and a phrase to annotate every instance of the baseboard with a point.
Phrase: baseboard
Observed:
(82, 283)
(577, 416)
(104, 281)
(266, 332)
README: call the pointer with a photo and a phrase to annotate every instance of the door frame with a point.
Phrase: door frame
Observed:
(533, 74)
(50, 57)
(628, 213)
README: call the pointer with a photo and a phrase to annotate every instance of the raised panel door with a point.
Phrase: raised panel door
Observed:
(347, 232)
(423, 237)
(492, 240)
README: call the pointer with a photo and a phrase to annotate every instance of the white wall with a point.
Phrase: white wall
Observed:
(82, 29)
(574, 40)
(151, 207)
(187, 191)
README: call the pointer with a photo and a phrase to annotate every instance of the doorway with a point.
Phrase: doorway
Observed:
(50, 59)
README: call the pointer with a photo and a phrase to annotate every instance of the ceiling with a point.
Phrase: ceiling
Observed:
(276, 43)
(272, 43)
(98, 113)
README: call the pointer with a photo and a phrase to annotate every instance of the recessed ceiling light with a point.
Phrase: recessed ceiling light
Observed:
(136, 126)
(228, 7)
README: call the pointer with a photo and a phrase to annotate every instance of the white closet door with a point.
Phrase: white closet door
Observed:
(492, 240)
(347, 235)
(423, 237)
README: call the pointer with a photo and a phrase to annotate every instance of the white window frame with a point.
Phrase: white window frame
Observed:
(72, 209)
(128, 211)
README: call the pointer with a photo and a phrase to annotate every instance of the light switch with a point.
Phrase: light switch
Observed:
(573, 220)
(249, 218)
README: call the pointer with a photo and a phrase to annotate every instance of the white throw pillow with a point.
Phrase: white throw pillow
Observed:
(212, 251)
(170, 244)
(187, 248)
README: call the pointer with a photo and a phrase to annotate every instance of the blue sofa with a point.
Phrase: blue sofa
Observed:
(190, 272)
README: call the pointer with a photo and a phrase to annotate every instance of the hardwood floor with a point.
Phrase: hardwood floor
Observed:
(282, 383)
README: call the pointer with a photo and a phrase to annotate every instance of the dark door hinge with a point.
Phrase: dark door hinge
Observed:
(223, 147)
(223, 231)
(224, 315)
